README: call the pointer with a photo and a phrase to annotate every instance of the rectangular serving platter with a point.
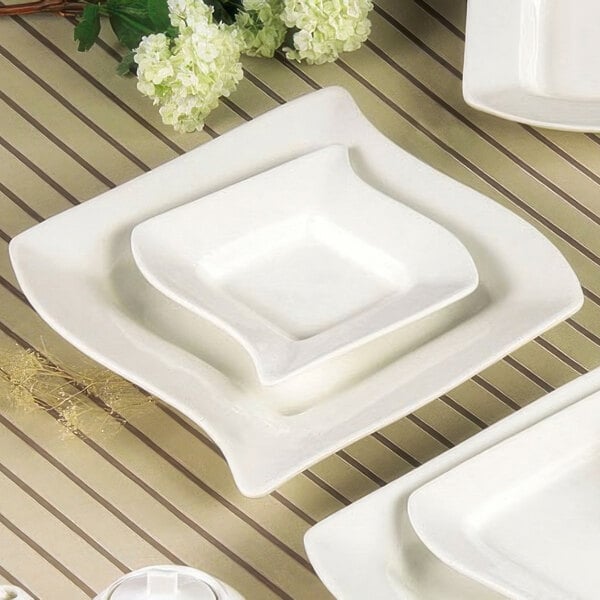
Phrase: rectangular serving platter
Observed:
(78, 272)
(371, 549)
(524, 516)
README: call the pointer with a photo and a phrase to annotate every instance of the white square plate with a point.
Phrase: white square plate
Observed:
(523, 517)
(535, 61)
(371, 550)
(78, 272)
(303, 262)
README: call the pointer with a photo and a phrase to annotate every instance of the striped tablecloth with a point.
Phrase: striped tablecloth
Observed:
(76, 514)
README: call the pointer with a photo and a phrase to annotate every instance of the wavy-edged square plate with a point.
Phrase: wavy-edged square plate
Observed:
(535, 61)
(303, 262)
(78, 272)
(371, 549)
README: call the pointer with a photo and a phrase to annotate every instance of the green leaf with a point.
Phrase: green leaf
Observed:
(134, 8)
(158, 11)
(130, 20)
(127, 66)
(87, 30)
(129, 30)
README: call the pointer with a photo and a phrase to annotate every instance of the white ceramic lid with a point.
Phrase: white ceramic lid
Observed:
(169, 582)
(163, 583)
(10, 592)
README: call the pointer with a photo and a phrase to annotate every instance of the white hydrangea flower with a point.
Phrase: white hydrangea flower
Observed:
(261, 27)
(189, 13)
(326, 28)
(187, 76)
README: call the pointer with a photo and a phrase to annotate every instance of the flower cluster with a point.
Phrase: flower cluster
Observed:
(326, 28)
(187, 69)
(261, 27)
(186, 76)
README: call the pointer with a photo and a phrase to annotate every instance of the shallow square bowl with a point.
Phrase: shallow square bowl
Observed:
(303, 262)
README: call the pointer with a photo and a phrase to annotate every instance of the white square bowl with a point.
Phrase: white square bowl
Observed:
(303, 262)
(535, 61)
(78, 272)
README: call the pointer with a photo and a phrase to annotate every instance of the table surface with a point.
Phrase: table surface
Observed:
(77, 513)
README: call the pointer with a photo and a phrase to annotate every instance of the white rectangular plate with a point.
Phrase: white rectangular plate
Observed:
(303, 262)
(78, 272)
(535, 61)
(371, 550)
(523, 517)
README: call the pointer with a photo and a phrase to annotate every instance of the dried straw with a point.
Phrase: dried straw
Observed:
(37, 382)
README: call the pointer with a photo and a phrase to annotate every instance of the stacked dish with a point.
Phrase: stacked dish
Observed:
(520, 519)
(324, 286)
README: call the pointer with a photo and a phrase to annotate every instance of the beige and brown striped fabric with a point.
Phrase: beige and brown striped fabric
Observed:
(76, 514)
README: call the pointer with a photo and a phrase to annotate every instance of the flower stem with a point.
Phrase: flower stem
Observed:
(62, 7)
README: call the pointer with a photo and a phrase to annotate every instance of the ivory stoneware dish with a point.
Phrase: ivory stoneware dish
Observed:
(523, 517)
(372, 550)
(535, 61)
(78, 272)
(303, 261)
